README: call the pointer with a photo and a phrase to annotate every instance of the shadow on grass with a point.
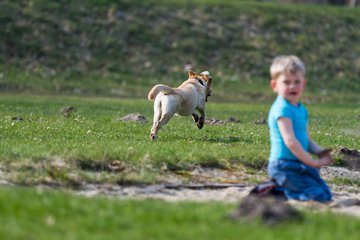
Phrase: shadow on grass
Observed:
(227, 139)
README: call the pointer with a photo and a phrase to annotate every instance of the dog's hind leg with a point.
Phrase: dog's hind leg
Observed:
(157, 116)
(157, 126)
(166, 110)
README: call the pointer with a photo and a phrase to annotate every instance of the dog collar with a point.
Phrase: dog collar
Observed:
(200, 81)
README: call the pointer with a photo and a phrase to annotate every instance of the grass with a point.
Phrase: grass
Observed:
(61, 215)
(346, 181)
(68, 150)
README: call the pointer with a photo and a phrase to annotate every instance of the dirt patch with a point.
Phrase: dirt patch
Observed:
(208, 184)
(268, 210)
(339, 172)
(210, 175)
(2, 180)
(202, 184)
(93, 166)
(214, 121)
(345, 203)
(196, 193)
(349, 158)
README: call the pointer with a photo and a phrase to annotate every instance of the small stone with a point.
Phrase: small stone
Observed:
(116, 166)
(66, 111)
(133, 117)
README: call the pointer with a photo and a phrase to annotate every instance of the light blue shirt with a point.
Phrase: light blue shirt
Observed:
(299, 118)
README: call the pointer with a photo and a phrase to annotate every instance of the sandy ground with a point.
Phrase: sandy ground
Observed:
(345, 201)
(346, 198)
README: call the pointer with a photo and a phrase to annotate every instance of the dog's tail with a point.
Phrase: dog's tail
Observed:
(159, 88)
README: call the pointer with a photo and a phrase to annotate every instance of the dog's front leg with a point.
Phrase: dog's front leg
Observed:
(201, 122)
(195, 117)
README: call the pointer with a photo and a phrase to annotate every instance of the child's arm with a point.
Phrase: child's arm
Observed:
(287, 133)
(313, 147)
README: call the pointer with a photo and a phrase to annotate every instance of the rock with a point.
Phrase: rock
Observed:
(214, 121)
(66, 111)
(260, 121)
(133, 117)
(116, 166)
(17, 118)
(232, 119)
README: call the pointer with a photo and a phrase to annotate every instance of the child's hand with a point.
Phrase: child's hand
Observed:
(325, 152)
(326, 160)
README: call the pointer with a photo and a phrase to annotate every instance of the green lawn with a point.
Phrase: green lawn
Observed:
(48, 146)
(43, 214)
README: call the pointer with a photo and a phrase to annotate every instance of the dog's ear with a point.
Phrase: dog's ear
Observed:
(192, 74)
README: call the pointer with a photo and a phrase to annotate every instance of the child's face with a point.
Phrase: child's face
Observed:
(290, 86)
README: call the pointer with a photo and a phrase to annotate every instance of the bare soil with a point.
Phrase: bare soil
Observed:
(211, 184)
(346, 198)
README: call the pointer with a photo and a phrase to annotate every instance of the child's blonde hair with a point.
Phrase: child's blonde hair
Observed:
(286, 64)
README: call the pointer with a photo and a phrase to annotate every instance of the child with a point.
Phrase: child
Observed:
(295, 172)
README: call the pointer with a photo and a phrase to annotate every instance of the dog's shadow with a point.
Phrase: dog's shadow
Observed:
(226, 139)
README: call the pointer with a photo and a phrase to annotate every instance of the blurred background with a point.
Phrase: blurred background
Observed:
(122, 48)
(350, 3)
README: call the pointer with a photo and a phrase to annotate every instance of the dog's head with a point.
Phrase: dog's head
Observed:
(204, 79)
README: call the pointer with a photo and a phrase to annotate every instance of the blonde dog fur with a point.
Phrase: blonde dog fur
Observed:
(191, 95)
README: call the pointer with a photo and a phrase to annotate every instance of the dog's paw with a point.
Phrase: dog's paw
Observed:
(195, 118)
(201, 122)
(152, 136)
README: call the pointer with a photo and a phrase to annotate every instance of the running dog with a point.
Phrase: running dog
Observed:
(191, 95)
